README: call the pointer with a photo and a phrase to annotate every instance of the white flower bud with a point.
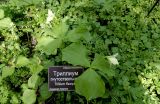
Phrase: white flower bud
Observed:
(50, 16)
(112, 59)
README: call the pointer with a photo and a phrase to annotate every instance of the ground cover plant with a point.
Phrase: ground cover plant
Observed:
(114, 40)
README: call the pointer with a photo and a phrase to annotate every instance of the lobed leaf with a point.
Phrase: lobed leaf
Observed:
(102, 64)
(48, 44)
(34, 81)
(90, 85)
(78, 33)
(76, 54)
(29, 96)
(45, 94)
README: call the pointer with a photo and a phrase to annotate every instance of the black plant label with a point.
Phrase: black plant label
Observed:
(61, 78)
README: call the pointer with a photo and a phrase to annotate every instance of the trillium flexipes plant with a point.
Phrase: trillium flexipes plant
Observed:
(37, 34)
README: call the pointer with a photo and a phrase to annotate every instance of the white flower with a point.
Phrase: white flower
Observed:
(50, 16)
(112, 59)
(42, 25)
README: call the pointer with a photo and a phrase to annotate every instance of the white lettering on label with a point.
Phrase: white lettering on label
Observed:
(62, 79)
(65, 74)
(69, 84)
(59, 84)
(63, 89)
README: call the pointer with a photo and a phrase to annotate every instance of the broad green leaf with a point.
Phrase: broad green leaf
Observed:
(7, 71)
(77, 34)
(76, 54)
(22, 61)
(48, 32)
(72, 36)
(1, 14)
(34, 81)
(48, 45)
(60, 30)
(35, 66)
(5, 23)
(45, 94)
(29, 96)
(90, 85)
(102, 64)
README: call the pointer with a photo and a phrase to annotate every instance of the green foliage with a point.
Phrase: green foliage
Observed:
(25, 2)
(4, 93)
(1, 14)
(29, 96)
(45, 94)
(113, 40)
(90, 85)
(48, 45)
(60, 30)
(35, 65)
(7, 71)
(76, 54)
(79, 33)
(22, 61)
(102, 64)
(5, 23)
(34, 81)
